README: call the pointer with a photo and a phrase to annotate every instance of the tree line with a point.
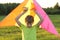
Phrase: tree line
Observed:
(6, 8)
(53, 11)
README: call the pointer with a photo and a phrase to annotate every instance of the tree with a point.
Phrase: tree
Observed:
(57, 6)
(6, 8)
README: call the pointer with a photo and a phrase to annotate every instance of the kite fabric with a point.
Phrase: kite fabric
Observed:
(46, 24)
(9, 20)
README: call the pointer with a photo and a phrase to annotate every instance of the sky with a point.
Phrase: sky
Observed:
(43, 3)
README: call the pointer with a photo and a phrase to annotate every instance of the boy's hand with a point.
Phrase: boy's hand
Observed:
(25, 9)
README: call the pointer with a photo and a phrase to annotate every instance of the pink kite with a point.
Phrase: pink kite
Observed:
(46, 24)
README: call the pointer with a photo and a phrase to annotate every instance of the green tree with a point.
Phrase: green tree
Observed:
(6, 8)
(57, 6)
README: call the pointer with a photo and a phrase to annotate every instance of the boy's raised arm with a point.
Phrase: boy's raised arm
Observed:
(17, 18)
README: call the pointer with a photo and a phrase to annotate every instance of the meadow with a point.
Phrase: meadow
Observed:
(14, 33)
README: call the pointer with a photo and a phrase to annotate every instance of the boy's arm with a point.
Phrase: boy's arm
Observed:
(41, 19)
(17, 18)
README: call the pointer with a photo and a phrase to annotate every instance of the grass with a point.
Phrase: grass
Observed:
(1, 17)
(14, 33)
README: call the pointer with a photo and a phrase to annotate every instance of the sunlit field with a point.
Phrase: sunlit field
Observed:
(14, 33)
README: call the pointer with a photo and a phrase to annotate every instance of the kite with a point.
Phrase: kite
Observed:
(29, 16)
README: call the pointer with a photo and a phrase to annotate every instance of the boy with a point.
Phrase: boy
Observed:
(28, 30)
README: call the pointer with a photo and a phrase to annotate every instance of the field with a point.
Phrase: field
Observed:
(14, 33)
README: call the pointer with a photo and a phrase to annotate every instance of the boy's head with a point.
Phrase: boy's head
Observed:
(29, 20)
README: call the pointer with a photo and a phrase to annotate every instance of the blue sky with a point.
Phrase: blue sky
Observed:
(43, 3)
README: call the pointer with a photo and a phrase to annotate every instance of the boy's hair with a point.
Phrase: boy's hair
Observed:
(29, 20)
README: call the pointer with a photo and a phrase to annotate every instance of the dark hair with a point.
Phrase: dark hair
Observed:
(29, 20)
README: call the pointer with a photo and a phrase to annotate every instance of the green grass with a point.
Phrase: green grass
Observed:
(1, 17)
(14, 33)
